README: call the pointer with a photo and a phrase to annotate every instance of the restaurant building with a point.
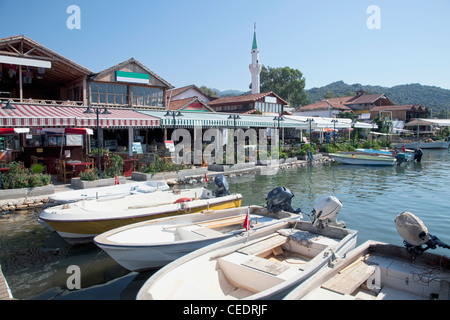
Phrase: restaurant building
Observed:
(41, 89)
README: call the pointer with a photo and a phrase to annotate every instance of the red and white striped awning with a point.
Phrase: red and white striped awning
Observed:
(14, 130)
(31, 115)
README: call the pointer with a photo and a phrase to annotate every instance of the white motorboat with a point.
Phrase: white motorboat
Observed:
(261, 264)
(81, 221)
(380, 271)
(109, 191)
(424, 144)
(153, 244)
(363, 159)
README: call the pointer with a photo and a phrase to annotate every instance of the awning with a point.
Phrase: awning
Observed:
(331, 123)
(82, 131)
(14, 130)
(32, 115)
(220, 120)
(428, 122)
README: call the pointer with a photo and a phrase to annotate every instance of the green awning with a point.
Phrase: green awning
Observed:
(220, 120)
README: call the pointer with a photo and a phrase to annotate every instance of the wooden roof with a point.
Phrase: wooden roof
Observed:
(248, 98)
(63, 70)
(159, 81)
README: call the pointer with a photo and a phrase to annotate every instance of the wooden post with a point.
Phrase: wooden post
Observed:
(20, 83)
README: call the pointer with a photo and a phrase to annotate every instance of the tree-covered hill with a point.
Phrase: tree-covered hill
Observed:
(436, 98)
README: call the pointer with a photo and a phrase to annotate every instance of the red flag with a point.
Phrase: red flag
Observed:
(247, 220)
(116, 180)
(206, 178)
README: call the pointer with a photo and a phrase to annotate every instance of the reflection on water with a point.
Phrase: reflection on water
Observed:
(35, 260)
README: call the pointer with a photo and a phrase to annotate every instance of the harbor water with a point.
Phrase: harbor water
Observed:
(36, 262)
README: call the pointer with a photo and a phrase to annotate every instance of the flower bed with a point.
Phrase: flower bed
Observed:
(18, 177)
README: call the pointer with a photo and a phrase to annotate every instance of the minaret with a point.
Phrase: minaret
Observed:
(255, 67)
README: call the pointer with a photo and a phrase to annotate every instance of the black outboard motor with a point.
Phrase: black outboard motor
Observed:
(418, 154)
(222, 188)
(279, 199)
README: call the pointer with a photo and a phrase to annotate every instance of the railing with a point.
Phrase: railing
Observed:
(73, 103)
(43, 101)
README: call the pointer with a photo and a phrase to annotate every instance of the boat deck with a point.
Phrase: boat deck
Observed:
(381, 278)
(271, 261)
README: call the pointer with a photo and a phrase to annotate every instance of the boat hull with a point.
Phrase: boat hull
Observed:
(153, 244)
(423, 145)
(83, 226)
(108, 191)
(366, 160)
(379, 271)
(228, 270)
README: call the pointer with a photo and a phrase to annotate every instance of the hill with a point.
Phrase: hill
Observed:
(229, 93)
(433, 97)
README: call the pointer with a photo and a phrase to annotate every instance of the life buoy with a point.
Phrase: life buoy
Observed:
(183, 200)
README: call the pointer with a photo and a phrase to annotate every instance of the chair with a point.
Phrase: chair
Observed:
(63, 172)
(34, 160)
(37, 160)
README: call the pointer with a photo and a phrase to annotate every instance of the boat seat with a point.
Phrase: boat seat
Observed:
(264, 245)
(254, 273)
(348, 280)
(194, 232)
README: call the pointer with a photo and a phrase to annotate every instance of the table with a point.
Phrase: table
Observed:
(78, 167)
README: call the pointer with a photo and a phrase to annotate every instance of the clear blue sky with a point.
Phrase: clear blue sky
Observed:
(208, 42)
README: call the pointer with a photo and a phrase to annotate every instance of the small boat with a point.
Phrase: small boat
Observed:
(266, 263)
(109, 191)
(363, 159)
(81, 221)
(153, 244)
(375, 152)
(424, 144)
(399, 155)
(381, 271)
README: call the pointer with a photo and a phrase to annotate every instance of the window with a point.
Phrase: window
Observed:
(147, 96)
(109, 93)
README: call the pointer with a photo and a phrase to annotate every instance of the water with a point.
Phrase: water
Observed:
(35, 261)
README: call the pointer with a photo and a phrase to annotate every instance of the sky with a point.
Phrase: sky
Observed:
(208, 42)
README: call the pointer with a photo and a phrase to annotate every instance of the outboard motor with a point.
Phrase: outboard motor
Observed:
(418, 154)
(415, 234)
(279, 199)
(325, 213)
(222, 188)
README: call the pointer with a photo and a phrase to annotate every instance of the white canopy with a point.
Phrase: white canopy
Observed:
(437, 122)
(331, 123)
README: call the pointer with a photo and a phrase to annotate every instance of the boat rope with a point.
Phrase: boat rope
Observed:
(429, 274)
(185, 208)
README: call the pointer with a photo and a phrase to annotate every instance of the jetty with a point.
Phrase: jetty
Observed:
(5, 292)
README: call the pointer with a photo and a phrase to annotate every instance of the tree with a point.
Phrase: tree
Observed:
(288, 83)
(209, 91)
(329, 95)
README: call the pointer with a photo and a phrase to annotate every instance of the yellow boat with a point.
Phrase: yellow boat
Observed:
(83, 220)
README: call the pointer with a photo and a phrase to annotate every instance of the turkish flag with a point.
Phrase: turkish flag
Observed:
(247, 220)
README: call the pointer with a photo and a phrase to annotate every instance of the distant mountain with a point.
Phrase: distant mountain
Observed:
(429, 96)
(229, 93)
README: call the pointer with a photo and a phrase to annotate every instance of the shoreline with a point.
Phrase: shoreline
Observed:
(30, 203)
